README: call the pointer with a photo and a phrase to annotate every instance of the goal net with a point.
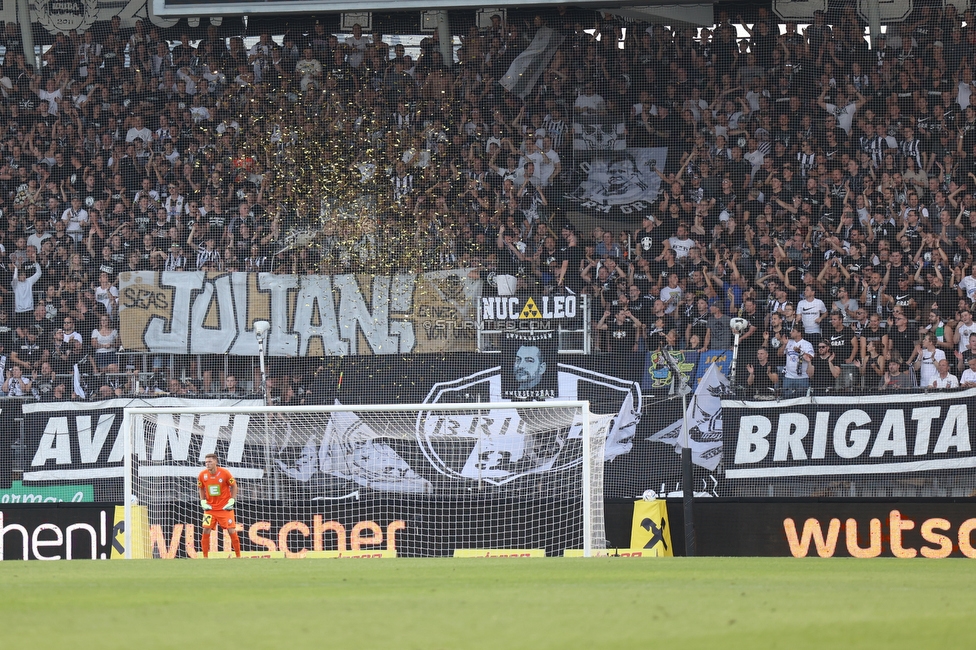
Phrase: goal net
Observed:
(414, 480)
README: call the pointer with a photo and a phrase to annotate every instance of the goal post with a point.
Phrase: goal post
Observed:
(411, 480)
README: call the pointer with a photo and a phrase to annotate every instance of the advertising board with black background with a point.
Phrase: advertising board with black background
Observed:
(863, 528)
(9, 433)
(373, 523)
(59, 531)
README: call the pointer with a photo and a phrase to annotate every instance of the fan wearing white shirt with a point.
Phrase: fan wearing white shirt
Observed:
(680, 243)
(927, 360)
(76, 218)
(964, 329)
(944, 379)
(52, 94)
(138, 130)
(812, 310)
(842, 108)
(357, 44)
(798, 354)
(968, 285)
(968, 379)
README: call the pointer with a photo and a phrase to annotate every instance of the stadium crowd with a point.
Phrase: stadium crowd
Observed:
(819, 188)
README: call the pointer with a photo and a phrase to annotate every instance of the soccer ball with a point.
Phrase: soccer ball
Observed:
(739, 325)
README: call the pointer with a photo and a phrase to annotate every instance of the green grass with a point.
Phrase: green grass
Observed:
(497, 604)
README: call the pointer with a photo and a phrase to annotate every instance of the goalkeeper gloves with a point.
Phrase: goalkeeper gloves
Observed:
(205, 505)
(230, 504)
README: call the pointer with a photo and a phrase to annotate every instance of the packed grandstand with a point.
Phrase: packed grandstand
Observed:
(820, 188)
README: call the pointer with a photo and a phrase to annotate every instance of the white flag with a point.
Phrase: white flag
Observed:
(704, 421)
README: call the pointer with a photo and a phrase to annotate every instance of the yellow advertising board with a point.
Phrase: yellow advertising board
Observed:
(650, 532)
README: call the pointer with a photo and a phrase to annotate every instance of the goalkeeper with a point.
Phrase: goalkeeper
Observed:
(218, 494)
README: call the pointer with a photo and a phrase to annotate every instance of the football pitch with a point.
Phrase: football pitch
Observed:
(489, 603)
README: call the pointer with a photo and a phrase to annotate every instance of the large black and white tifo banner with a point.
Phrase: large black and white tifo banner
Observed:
(613, 180)
(842, 438)
(80, 443)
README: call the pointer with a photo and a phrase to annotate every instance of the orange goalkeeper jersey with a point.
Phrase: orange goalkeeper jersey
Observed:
(216, 486)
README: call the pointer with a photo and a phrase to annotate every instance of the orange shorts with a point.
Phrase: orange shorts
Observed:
(223, 517)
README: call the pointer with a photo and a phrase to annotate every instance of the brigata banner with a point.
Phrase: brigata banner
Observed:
(849, 436)
(310, 315)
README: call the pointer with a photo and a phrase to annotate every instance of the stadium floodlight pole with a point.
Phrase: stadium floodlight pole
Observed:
(687, 473)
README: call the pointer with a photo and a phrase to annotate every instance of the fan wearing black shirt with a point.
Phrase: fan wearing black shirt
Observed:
(841, 339)
(762, 374)
(649, 241)
(751, 339)
(642, 276)
(904, 296)
(639, 304)
(568, 261)
(697, 324)
(624, 330)
(903, 336)
(825, 367)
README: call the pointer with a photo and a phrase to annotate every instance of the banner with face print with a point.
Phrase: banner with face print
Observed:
(531, 371)
(618, 184)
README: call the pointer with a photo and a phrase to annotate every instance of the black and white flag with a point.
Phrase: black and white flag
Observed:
(528, 66)
(618, 183)
(704, 421)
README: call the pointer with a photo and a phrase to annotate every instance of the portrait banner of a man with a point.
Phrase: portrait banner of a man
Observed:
(532, 367)
(618, 184)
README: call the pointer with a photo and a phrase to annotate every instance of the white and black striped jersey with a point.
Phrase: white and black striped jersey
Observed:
(211, 257)
(874, 146)
(555, 130)
(175, 263)
(912, 149)
(402, 186)
(806, 162)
